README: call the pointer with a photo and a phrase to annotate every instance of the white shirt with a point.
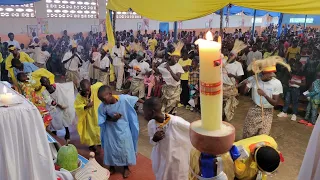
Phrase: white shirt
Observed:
(15, 43)
(117, 60)
(73, 64)
(143, 66)
(253, 55)
(234, 68)
(177, 68)
(43, 57)
(96, 57)
(170, 156)
(105, 62)
(272, 87)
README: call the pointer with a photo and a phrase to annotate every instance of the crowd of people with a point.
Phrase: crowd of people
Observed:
(163, 73)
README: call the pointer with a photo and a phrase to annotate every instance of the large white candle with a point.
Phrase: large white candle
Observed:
(210, 83)
(6, 98)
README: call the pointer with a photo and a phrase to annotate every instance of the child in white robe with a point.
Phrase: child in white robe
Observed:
(59, 98)
(169, 136)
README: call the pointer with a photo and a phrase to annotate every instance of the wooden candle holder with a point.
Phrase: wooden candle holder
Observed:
(209, 142)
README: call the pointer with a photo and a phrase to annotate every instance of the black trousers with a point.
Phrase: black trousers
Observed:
(184, 96)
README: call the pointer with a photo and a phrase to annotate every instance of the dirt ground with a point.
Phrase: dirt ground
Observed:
(292, 138)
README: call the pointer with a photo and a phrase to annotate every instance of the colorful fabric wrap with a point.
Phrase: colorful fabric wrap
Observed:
(270, 69)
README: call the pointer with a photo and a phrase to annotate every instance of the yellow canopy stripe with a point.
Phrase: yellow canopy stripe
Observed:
(111, 42)
(179, 10)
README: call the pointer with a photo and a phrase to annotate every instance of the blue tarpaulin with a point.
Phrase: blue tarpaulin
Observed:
(16, 2)
(247, 11)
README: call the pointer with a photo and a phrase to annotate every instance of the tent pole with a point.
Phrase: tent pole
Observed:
(305, 21)
(110, 12)
(221, 22)
(175, 27)
(114, 17)
(254, 23)
(280, 25)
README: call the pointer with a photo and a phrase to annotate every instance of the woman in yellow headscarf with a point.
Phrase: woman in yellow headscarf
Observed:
(22, 56)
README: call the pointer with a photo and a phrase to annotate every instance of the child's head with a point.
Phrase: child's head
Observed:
(267, 158)
(22, 77)
(151, 108)
(44, 81)
(105, 94)
(85, 88)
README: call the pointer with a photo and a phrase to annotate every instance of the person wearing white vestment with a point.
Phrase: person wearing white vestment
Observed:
(169, 136)
(310, 168)
(59, 98)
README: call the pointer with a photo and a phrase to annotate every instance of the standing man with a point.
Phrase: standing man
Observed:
(86, 106)
(259, 117)
(232, 72)
(13, 42)
(94, 62)
(140, 68)
(152, 43)
(171, 73)
(185, 62)
(117, 55)
(293, 51)
(72, 62)
(119, 125)
(16, 54)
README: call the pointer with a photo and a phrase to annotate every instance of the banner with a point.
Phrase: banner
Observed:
(31, 29)
(145, 24)
(43, 26)
(102, 24)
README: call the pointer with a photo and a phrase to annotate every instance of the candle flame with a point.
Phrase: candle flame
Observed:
(4, 90)
(209, 36)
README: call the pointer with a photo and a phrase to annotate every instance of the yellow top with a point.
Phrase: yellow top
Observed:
(23, 58)
(183, 63)
(152, 43)
(88, 128)
(247, 169)
(292, 52)
(267, 54)
(36, 75)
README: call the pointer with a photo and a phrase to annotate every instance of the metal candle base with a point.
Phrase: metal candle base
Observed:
(211, 142)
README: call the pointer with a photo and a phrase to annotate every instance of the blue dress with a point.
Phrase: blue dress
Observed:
(119, 139)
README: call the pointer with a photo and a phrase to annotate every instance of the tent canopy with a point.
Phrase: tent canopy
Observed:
(169, 10)
(233, 10)
(16, 2)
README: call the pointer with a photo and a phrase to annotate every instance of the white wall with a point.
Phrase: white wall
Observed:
(57, 25)
(234, 21)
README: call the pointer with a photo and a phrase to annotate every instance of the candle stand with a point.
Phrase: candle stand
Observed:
(210, 135)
